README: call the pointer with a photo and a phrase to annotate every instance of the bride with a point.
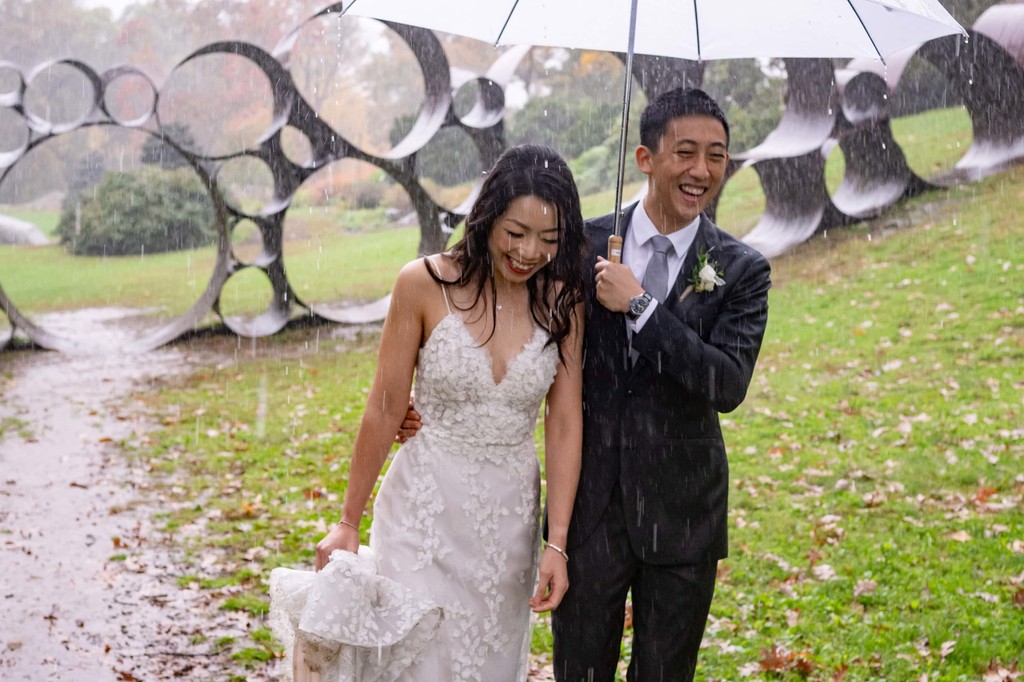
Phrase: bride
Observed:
(491, 330)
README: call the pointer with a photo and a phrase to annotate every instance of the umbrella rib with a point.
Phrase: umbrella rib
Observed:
(696, 27)
(866, 31)
(505, 25)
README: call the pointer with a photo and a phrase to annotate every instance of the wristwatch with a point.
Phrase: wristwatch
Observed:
(637, 305)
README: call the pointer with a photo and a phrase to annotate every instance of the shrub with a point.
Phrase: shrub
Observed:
(150, 211)
(596, 169)
(366, 193)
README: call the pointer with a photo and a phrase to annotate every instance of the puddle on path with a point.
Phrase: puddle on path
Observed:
(87, 589)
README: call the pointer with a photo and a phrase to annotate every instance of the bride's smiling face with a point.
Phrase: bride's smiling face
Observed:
(524, 239)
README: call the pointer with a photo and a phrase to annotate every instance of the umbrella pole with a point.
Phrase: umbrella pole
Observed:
(615, 241)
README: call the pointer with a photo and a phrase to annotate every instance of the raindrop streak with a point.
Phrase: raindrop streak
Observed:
(261, 407)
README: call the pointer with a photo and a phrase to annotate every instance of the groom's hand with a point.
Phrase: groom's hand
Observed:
(410, 424)
(616, 285)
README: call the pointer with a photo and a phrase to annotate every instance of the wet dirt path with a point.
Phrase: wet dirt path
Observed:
(87, 586)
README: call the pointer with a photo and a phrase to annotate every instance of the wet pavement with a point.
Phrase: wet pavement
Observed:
(87, 585)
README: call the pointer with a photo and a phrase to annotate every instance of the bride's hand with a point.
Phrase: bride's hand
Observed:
(342, 536)
(552, 582)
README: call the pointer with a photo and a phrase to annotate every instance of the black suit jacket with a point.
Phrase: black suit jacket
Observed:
(652, 428)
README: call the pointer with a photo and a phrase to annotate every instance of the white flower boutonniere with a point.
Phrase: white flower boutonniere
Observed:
(706, 275)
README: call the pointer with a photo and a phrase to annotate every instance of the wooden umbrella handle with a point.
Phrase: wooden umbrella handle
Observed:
(615, 248)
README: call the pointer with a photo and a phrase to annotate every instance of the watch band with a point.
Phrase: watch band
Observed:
(637, 305)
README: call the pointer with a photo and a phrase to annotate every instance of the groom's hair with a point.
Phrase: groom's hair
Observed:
(673, 104)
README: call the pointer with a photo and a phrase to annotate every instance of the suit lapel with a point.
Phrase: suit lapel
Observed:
(704, 242)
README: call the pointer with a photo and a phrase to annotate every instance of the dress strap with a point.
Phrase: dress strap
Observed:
(444, 289)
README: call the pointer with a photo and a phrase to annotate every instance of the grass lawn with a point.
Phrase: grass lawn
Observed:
(329, 266)
(876, 524)
(877, 463)
(332, 255)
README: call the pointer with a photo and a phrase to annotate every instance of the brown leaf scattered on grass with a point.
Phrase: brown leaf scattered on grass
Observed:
(960, 536)
(779, 660)
(983, 494)
(864, 587)
(1001, 672)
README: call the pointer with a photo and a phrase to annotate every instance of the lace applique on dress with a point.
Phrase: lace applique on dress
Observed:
(457, 516)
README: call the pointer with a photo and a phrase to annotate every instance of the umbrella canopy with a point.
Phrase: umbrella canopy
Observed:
(687, 29)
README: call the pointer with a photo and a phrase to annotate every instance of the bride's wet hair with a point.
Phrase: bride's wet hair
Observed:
(538, 171)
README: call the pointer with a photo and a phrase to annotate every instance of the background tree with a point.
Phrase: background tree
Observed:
(752, 99)
(156, 151)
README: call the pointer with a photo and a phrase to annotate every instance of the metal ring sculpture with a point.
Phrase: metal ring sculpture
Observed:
(483, 124)
(985, 71)
(824, 108)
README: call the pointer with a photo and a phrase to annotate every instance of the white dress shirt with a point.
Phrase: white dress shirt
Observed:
(637, 251)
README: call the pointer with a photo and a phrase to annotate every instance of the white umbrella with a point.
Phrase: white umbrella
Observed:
(687, 29)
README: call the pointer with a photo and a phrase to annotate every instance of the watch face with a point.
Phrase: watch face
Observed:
(638, 305)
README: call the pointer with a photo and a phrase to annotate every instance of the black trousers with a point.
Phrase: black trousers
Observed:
(670, 609)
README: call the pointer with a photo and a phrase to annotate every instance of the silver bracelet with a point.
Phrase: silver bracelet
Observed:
(343, 522)
(558, 549)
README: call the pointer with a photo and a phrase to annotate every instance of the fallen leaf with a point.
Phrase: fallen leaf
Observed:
(864, 587)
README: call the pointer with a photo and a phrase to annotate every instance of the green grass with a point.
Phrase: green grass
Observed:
(741, 203)
(932, 142)
(876, 463)
(332, 267)
(15, 426)
(333, 255)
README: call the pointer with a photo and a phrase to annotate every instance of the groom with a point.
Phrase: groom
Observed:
(672, 334)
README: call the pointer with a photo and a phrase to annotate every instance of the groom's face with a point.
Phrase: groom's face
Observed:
(685, 172)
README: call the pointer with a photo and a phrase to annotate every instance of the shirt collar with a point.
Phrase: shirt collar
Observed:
(642, 229)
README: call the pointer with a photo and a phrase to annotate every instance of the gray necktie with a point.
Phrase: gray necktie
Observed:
(656, 276)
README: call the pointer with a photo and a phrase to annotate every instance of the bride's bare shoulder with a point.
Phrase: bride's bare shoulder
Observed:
(417, 278)
(443, 266)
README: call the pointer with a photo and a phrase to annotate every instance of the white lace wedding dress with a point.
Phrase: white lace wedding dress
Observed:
(455, 525)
